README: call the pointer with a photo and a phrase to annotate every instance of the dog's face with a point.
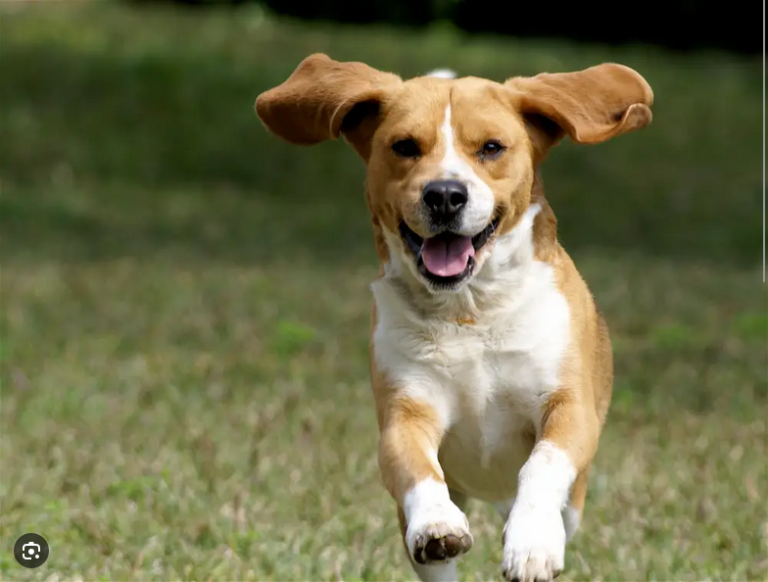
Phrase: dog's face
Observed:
(450, 167)
(450, 162)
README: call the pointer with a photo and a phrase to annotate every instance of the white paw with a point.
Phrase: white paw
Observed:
(534, 545)
(437, 533)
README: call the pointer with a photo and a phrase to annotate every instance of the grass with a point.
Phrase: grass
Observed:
(185, 307)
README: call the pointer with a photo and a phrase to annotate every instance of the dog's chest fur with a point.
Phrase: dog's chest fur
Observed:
(488, 380)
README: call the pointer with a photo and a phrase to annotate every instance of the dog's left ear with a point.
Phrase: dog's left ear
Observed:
(323, 99)
(590, 106)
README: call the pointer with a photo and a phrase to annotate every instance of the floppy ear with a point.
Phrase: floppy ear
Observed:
(591, 106)
(323, 99)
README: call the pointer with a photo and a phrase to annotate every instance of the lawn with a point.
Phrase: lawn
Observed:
(185, 306)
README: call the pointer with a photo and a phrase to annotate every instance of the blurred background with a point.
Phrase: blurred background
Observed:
(185, 299)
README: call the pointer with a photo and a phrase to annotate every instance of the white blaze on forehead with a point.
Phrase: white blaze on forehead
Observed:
(479, 209)
(442, 74)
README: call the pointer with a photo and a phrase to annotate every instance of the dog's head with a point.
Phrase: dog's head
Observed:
(450, 162)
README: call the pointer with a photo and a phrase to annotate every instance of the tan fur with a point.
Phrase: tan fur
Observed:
(311, 105)
(323, 99)
(410, 429)
(575, 414)
(591, 106)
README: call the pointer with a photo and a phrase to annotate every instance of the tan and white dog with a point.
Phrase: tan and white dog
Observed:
(491, 364)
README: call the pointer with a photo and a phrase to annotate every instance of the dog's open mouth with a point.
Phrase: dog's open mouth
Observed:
(447, 258)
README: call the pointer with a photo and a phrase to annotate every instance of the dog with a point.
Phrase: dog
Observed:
(491, 364)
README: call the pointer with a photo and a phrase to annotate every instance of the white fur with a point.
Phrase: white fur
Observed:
(486, 381)
(479, 209)
(438, 572)
(571, 516)
(430, 513)
(535, 535)
(442, 74)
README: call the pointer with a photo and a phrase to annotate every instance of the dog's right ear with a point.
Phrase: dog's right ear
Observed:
(323, 99)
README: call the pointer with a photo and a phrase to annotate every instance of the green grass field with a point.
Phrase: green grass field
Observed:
(185, 307)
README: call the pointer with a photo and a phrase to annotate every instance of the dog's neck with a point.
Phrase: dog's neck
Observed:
(508, 268)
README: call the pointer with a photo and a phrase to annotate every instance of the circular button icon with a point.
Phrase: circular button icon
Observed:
(31, 550)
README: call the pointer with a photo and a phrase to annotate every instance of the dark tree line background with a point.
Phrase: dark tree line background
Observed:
(674, 24)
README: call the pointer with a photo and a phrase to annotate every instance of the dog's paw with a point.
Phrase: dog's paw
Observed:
(438, 533)
(534, 546)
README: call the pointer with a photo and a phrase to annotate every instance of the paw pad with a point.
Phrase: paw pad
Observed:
(441, 549)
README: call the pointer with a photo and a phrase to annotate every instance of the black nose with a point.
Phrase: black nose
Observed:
(445, 198)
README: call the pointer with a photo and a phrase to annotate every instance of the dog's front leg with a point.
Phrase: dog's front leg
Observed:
(535, 534)
(435, 530)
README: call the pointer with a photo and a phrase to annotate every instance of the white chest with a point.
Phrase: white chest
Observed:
(487, 381)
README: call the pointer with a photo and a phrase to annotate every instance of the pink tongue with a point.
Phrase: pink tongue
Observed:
(447, 258)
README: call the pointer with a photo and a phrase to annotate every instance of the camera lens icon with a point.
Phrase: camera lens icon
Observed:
(31, 550)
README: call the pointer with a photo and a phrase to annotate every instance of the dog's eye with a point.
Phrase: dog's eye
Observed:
(406, 148)
(491, 149)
